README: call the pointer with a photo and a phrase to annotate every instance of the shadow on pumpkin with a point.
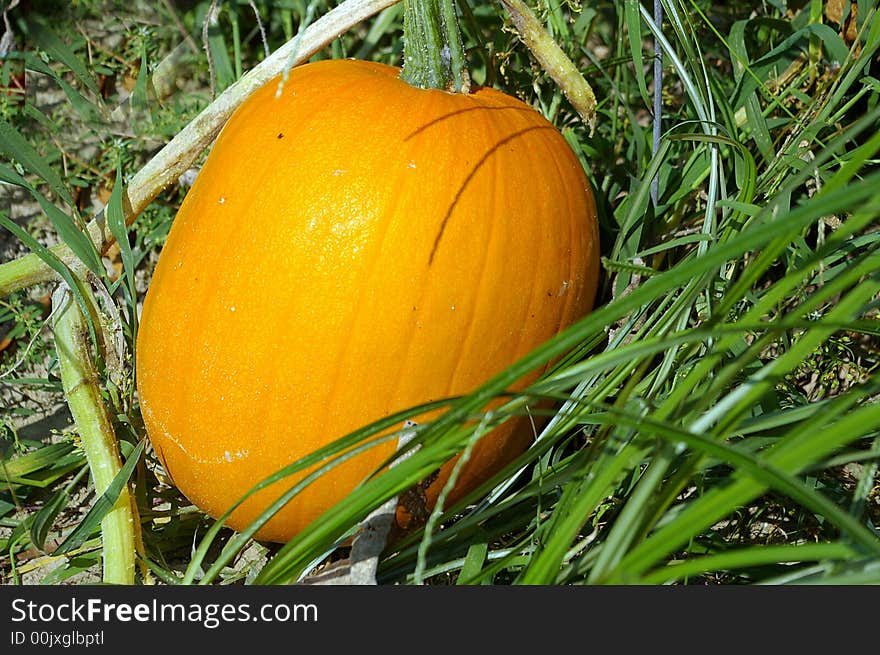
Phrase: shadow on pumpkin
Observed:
(470, 177)
(479, 164)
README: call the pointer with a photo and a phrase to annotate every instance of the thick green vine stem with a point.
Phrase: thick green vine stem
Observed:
(433, 52)
(79, 377)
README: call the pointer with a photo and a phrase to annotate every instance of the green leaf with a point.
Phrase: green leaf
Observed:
(53, 262)
(14, 145)
(58, 50)
(102, 505)
(834, 45)
(223, 67)
(70, 233)
(44, 518)
(76, 239)
(789, 455)
(139, 100)
(119, 230)
(20, 467)
(634, 32)
(750, 557)
(674, 243)
(473, 562)
(89, 111)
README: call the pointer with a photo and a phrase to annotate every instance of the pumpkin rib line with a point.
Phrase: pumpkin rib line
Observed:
(535, 292)
(387, 210)
(395, 390)
(464, 474)
(212, 283)
(480, 279)
(566, 307)
(470, 177)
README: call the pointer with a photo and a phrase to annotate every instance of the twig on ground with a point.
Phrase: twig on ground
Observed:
(370, 541)
(553, 60)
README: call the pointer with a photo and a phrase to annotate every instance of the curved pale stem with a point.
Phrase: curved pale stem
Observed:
(553, 59)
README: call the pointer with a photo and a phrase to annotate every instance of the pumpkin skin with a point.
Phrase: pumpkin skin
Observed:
(350, 249)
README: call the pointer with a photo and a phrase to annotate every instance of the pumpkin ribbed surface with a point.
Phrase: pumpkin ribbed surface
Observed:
(351, 248)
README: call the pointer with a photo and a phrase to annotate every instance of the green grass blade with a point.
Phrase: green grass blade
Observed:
(790, 454)
(58, 50)
(52, 261)
(634, 32)
(20, 467)
(14, 145)
(46, 516)
(751, 557)
(119, 229)
(473, 563)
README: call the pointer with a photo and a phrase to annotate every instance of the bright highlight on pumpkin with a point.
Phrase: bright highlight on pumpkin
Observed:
(351, 249)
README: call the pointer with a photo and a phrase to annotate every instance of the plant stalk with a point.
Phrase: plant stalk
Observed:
(433, 51)
(79, 377)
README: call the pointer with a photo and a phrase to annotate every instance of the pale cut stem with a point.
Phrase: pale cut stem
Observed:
(182, 151)
(553, 60)
(79, 377)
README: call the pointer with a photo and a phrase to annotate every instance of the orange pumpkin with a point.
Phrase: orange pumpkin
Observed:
(352, 248)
